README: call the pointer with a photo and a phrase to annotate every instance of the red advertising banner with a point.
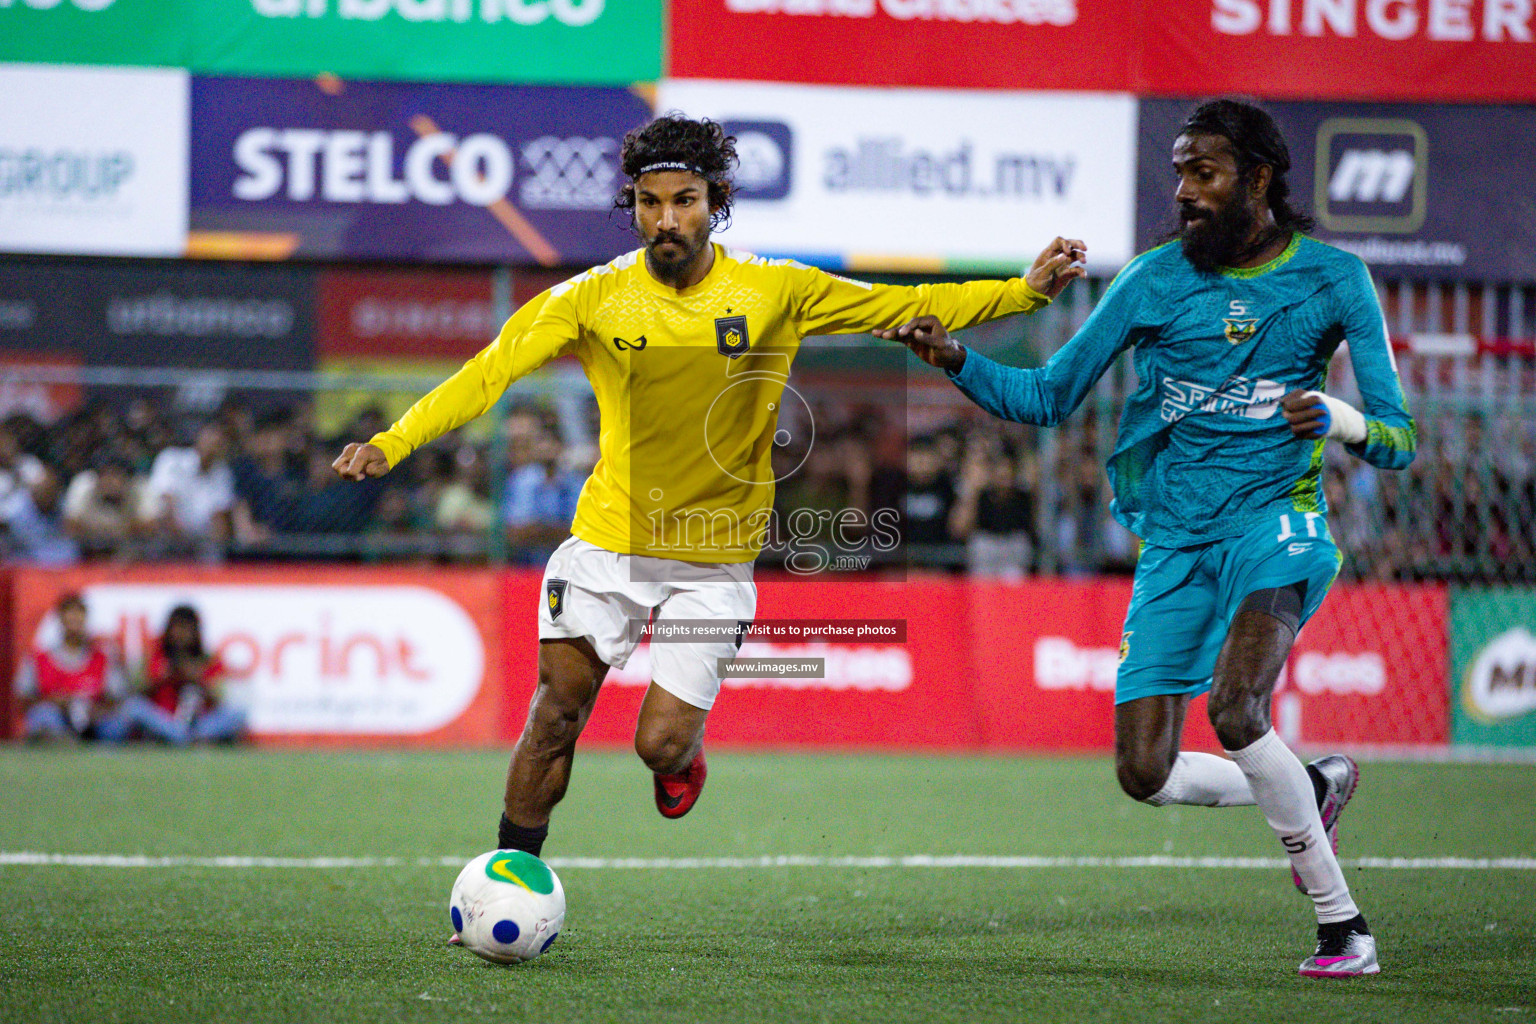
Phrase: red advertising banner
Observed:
(1372, 667)
(1027, 667)
(1003, 44)
(360, 656)
(1046, 653)
(1460, 50)
(916, 694)
(8, 654)
(415, 314)
(450, 657)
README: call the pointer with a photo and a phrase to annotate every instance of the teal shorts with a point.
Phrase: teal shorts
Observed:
(1184, 599)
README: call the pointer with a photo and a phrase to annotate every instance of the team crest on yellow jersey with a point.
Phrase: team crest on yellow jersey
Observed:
(731, 335)
(1239, 331)
(555, 596)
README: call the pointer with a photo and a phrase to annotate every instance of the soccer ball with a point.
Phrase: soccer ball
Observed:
(507, 906)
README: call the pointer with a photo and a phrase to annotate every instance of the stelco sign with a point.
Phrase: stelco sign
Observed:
(359, 167)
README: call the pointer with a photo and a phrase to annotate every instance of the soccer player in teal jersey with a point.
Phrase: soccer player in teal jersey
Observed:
(1218, 468)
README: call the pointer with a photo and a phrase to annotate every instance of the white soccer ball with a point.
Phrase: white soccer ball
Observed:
(507, 906)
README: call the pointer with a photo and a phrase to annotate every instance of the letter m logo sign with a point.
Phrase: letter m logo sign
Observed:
(1371, 175)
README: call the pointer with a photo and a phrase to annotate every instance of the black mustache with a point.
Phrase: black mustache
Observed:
(1188, 214)
(674, 239)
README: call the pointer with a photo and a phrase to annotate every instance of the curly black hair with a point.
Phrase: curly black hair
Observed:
(1256, 140)
(698, 145)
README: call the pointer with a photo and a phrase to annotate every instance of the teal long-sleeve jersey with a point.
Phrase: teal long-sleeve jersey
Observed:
(1203, 451)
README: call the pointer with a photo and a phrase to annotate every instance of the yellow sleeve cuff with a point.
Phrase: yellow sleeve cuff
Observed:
(392, 445)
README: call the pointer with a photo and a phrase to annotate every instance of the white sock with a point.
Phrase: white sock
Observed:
(1283, 790)
(1205, 780)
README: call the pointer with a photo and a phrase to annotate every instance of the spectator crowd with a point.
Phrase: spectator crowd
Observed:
(126, 481)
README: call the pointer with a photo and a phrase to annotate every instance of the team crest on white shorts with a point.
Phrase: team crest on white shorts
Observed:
(555, 598)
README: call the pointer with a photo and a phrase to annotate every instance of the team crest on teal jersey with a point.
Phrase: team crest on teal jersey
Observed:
(1239, 331)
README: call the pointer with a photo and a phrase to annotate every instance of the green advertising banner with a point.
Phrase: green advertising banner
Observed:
(571, 42)
(1493, 659)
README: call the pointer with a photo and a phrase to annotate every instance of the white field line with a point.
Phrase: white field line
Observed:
(108, 860)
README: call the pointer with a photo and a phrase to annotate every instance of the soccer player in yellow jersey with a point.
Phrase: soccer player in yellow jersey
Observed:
(687, 345)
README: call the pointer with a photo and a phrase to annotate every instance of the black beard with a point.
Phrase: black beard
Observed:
(1217, 240)
(671, 268)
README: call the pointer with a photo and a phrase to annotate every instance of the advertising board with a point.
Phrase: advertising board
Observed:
(1493, 650)
(1409, 189)
(437, 173)
(550, 41)
(313, 654)
(922, 179)
(92, 160)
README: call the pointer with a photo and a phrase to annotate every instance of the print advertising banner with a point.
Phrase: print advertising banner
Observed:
(1407, 188)
(991, 44)
(414, 172)
(333, 654)
(1458, 50)
(911, 179)
(1493, 650)
(92, 161)
(547, 41)
(417, 314)
(1024, 667)
(190, 315)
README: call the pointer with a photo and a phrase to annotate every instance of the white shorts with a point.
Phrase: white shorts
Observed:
(604, 596)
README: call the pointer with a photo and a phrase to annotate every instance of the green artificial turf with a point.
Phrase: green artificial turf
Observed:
(738, 944)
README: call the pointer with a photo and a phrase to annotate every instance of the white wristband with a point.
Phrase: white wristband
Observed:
(1345, 422)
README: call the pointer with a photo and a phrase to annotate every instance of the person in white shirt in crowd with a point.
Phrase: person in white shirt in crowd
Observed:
(190, 494)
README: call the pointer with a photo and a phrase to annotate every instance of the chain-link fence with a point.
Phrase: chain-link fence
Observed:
(151, 463)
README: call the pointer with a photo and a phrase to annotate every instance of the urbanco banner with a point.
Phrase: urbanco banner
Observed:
(384, 170)
(545, 41)
(1407, 188)
(93, 161)
(930, 179)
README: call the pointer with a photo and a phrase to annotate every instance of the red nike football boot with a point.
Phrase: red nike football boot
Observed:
(676, 794)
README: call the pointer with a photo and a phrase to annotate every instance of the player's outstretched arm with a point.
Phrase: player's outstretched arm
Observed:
(1058, 265)
(360, 461)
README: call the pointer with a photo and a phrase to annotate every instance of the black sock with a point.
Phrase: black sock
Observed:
(1354, 924)
(515, 837)
(1319, 785)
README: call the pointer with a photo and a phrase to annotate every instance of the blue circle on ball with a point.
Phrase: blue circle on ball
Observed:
(458, 919)
(549, 942)
(505, 932)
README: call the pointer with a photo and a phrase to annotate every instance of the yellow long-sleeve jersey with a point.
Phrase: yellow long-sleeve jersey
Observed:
(688, 384)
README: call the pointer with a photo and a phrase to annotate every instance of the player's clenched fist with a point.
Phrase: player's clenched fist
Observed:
(360, 461)
(1306, 413)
